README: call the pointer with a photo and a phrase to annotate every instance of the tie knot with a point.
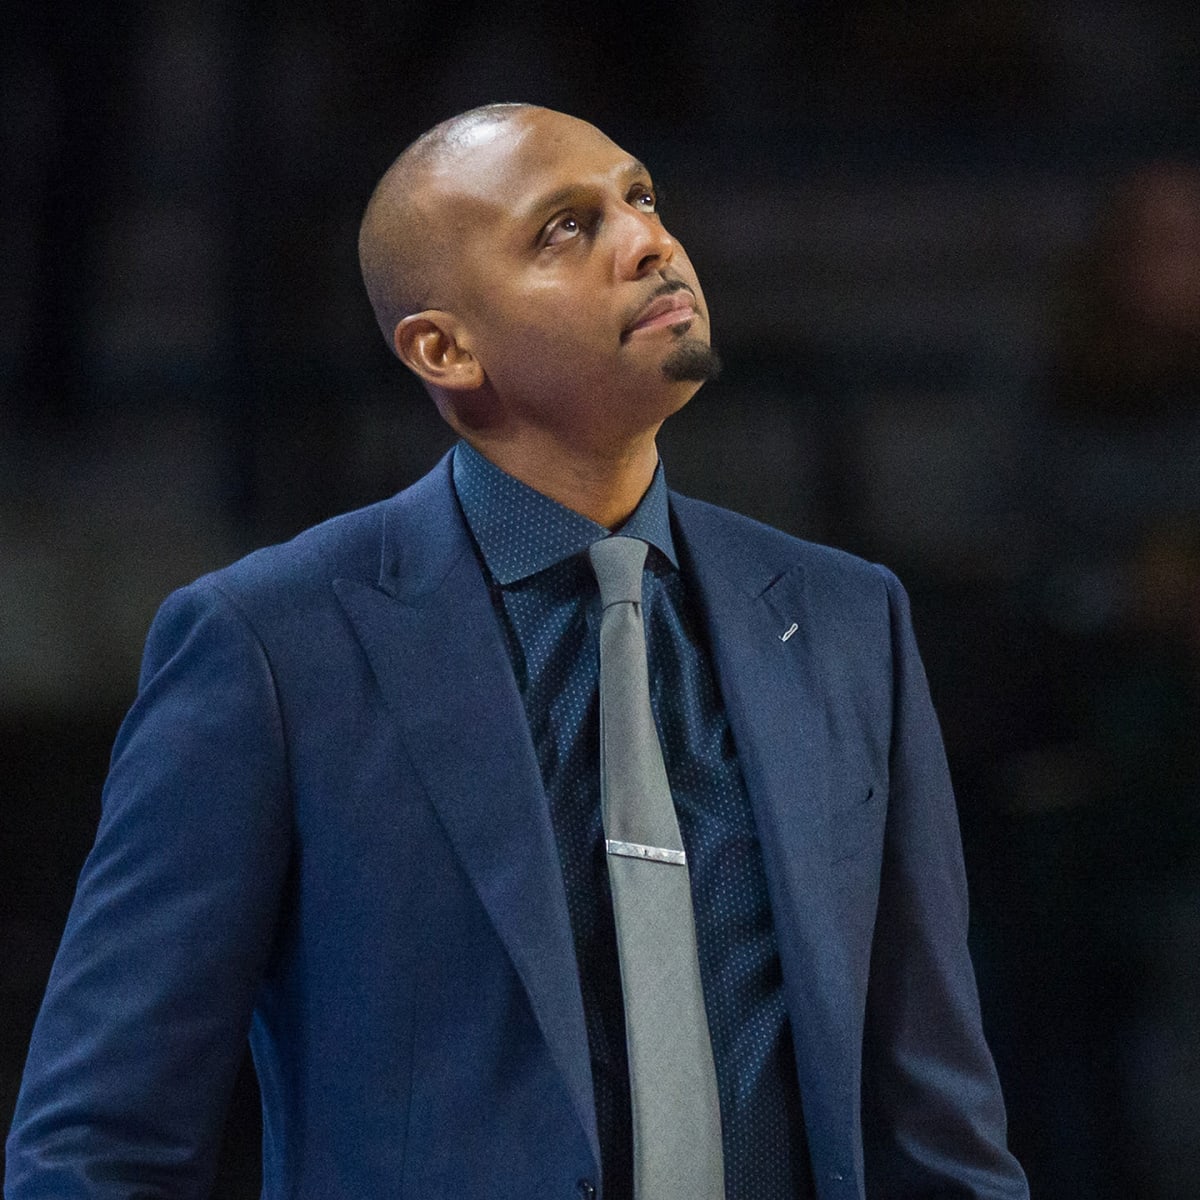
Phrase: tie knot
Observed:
(618, 563)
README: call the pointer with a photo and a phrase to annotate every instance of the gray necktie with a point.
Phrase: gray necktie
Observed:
(676, 1114)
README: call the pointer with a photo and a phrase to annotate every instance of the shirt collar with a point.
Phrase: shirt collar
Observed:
(520, 532)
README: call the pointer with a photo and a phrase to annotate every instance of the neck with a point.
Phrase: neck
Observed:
(604, 486)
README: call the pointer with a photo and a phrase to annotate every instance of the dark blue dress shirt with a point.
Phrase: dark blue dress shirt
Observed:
(547, 602)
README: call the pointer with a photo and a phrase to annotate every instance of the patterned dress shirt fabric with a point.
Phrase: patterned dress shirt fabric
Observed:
(547, 602)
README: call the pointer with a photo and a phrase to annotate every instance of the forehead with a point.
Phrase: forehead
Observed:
(506, 170)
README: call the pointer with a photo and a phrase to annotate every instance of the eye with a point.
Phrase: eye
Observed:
(644, 199)
(561, 229)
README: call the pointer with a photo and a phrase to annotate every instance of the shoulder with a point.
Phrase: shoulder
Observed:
(759, 553)
(348, 544)
(352, 545)
(283, 585)
(292, 576)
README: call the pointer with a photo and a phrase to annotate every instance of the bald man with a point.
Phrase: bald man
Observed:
(355, 808)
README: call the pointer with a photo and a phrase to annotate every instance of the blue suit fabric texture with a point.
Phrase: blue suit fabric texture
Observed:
(325, 824)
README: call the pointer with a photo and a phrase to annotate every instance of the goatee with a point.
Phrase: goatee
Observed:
(692, 361)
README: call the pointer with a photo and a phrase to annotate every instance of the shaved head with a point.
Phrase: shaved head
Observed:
(403, 247)
(518, 265)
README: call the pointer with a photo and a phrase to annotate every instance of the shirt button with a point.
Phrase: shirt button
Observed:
(586, 1190)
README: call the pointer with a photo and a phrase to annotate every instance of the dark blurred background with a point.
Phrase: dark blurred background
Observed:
(952, 252)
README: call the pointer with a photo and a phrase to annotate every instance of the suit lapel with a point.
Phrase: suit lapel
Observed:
(430, 633)
(773, 696)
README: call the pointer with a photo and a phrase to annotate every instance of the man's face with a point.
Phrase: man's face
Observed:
(585, 314)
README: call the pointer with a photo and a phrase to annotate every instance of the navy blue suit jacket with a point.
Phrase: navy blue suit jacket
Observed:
(325, 824)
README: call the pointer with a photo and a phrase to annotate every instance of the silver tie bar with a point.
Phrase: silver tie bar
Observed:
(654, 853)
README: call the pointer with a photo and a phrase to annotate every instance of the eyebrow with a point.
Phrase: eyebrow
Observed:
(556, 199)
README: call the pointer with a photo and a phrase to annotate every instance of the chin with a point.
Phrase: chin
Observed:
(692, 361)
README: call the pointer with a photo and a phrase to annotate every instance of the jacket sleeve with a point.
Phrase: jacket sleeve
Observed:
(145, 1016)
(933, 1116)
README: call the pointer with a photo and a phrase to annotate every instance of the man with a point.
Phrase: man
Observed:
(356, 806)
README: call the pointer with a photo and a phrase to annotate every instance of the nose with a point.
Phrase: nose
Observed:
(643, 244)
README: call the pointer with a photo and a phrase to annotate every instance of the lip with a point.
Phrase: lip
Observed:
(674, 308)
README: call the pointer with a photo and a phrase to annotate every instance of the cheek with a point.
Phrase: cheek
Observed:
(544, 325)
(530, 355)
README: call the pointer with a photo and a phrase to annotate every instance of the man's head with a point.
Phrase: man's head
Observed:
(516, 262)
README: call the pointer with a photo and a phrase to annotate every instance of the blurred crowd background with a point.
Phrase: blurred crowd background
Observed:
(952, 253)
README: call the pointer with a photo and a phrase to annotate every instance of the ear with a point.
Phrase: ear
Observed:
(433, 343)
